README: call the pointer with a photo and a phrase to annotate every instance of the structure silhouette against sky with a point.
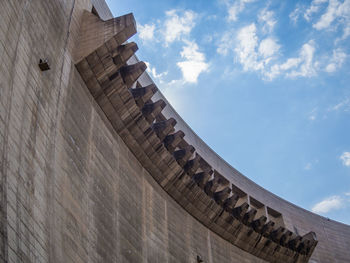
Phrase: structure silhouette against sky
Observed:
(264, 83)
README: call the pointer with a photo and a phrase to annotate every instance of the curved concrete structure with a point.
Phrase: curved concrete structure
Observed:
(96, 166)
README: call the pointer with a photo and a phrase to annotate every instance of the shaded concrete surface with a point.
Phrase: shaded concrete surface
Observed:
(71, 190)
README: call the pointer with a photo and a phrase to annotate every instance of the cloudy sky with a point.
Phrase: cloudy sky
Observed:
(266, 84)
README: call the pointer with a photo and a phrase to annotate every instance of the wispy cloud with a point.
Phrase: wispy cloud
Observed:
(331, 203)
(345, 157)
(257, 49)
(336, 60)
(177, 27)
(313, 8)
(194, 62)
(303, 65)
(305, 61)
(266, 17)
(334, 10)
(236, 7)
(146, 32)
(337, 14)
(294, 16)
(343, 105)
(178, 24)
(226, 43)
(153, 72)
(258, 55)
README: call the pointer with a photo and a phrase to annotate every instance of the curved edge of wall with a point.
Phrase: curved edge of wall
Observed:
(333, 236)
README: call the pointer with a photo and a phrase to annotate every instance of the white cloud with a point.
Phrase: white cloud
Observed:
(194, 63)
(178, 25)
(252, 54)
(246, 48)
(345, 157)
(153, 72)
(268, 47)
(257, 53)
(331, 67)
(328, 204)
(146, 32)
(290, 63)
(336, 61)
(236, 7)
(266, 17)
(306, 68)
(328, 17)
(336, 14)
(302, 66)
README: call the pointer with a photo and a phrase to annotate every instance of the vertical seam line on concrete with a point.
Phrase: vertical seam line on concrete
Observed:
(53, 145)
(5, 146)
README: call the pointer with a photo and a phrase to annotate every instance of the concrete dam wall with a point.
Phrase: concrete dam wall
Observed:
(96, 166)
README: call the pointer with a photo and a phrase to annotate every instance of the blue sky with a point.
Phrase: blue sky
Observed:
(265, 84)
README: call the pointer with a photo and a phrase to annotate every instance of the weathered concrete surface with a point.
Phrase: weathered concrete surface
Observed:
(71, 191)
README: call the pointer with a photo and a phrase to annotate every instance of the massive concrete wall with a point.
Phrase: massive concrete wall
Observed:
(71, 190)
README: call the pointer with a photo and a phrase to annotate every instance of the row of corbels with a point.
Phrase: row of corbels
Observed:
(114, 69)
(183, 153)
